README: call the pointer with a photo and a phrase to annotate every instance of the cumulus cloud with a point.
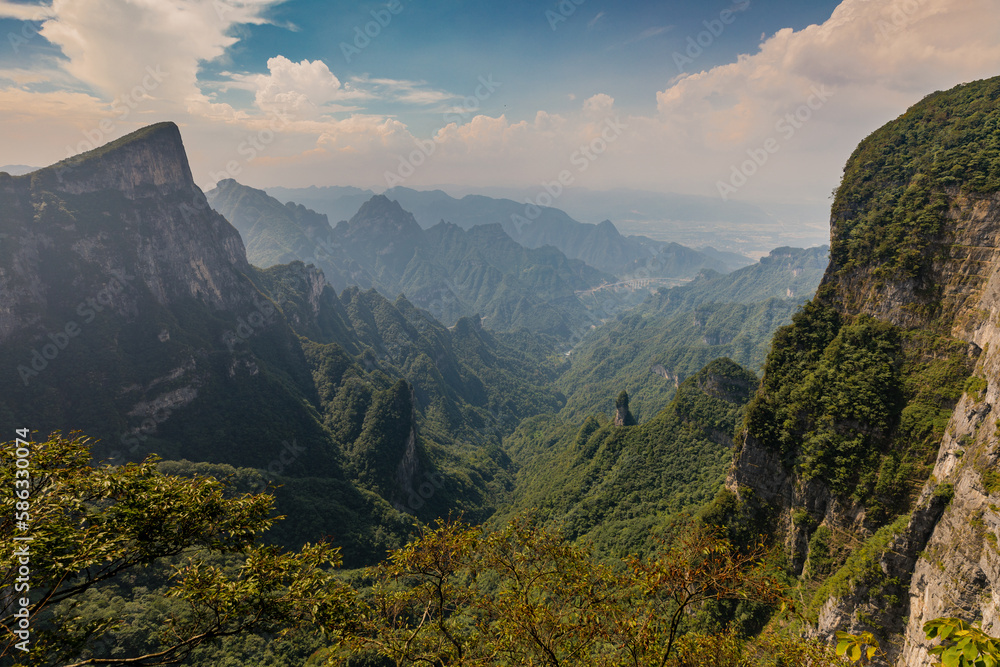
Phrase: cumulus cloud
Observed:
(22, 12)
(302, 88)
(598, 106)
(111, 45)
(876, 57)
(879, 55)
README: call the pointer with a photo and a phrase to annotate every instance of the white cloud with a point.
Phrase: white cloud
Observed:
(649, 32)
(303, 88)
(878, 54)
(594, 21)
(404, 91)
(877, 57)
(110, 44)
(23, 12)
(598, 106)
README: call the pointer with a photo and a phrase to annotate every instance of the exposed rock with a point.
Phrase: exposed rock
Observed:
(944, 560)
(623, 417)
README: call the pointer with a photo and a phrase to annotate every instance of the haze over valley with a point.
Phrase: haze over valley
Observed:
(566, 333)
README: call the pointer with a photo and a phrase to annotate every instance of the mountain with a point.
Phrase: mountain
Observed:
(445, 269)
(600, 246)
(17, 169)
(650, 349)
(130, 312)
(115, 273)
(615, 485)
(335, 202)
(872, 441)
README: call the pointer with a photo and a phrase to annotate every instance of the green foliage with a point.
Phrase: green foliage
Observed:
(861, 404)
(769, 649)
(962, 645)
(523, 595)
(654, 347)
(857, 648)
(93, 526)
(976, 387)
(615, 486)
(890, 209)
(862, 567)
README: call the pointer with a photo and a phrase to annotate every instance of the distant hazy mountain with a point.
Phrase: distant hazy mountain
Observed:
(650, 349)
(337, 203)
(130, 312)
(691, 220)
(17, 169)
(600, 246)
(450, 271)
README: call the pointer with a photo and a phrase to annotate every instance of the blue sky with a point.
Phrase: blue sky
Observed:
(617, 48)
(264, 93)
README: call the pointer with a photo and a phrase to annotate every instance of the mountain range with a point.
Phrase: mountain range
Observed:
(130, 312)
(599, 245)
(450, 271)
(866, 455)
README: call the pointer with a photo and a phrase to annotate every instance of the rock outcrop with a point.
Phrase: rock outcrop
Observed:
(116, 273)
(915, 244)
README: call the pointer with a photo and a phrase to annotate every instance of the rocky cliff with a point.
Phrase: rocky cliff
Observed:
(873, 436)
(127, 310)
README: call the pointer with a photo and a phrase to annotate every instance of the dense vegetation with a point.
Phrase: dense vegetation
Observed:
(860, 405)
(128, 565)
(615, 485)
(131, 565)
(652, 348)
(892, 205)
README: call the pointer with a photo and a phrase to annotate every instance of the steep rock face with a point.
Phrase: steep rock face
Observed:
(126, 310)
(915, 239)
(129, 204)
(959, 573)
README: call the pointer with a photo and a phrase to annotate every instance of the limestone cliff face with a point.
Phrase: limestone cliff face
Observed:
(131, 207)
(915, 244)
(959, 571)
(127, 310)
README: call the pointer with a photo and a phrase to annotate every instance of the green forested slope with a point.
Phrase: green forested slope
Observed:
(614, 484)
(649, 349)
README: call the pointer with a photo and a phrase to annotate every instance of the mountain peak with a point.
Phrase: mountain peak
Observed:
(384, 215)
(149, 161)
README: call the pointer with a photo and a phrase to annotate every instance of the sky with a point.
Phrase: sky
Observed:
(758, 101)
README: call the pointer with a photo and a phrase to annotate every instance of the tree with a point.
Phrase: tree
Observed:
(86, 525)
(696, 566)
(523, 595)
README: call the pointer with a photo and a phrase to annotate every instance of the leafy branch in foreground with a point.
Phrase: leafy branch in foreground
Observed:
(961, 645)
(90, 524)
